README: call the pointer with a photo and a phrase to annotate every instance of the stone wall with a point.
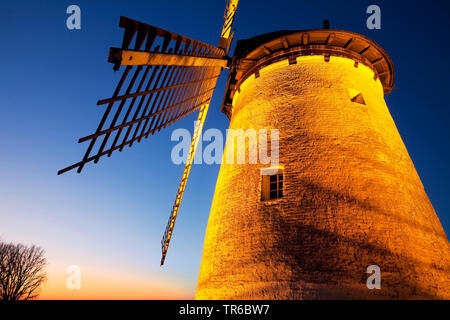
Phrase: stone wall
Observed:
(352, 197)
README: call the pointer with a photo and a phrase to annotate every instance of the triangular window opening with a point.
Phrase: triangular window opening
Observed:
(356, 96)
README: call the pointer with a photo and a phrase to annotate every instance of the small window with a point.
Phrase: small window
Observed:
(356, 96)
(272, 186)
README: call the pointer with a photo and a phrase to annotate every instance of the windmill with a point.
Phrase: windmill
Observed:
(345, 194)
(178, 77)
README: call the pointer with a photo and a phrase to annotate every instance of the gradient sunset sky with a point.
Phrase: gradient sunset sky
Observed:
(109, 220)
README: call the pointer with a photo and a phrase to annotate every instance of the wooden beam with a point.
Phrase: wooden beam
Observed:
(330, 39)
(138, 58)
(364, 50)
(348, 42)
(305, 39)
(374, 62)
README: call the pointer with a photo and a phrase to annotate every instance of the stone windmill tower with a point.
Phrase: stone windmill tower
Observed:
(345, 194)
(350, 195)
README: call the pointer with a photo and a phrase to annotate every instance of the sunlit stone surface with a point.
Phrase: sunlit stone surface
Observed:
(352, 197)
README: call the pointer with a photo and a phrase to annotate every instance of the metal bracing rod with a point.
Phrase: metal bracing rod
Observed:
(190, 158)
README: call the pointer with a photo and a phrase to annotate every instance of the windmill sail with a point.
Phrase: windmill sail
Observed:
(166, 77)
(187, 169)
(224, 43)
(226, 36)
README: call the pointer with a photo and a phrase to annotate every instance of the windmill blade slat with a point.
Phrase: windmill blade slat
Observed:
(144, 134)
(138, 109)
(118, 112)
(102, 121)
(183, 73)
(144, 112)
(130, 107)
(91, 158)
(167, 101)
(112, 129)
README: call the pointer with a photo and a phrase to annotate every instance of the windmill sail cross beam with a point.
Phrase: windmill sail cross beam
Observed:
(137, 58)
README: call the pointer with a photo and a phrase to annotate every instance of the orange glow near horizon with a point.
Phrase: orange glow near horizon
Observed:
(109, 285)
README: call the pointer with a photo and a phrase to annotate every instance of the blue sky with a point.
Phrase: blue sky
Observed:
(112, 216)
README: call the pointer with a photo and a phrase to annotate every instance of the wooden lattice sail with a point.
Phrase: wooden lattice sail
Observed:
(166, 77)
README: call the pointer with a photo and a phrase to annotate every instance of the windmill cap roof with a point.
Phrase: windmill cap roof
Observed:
(285, 43)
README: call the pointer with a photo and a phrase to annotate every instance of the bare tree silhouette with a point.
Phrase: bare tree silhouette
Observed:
(22, 271)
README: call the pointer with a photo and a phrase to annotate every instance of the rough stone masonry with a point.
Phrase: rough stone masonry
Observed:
(351, 195)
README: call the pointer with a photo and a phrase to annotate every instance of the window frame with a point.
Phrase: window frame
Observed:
(272, 184)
